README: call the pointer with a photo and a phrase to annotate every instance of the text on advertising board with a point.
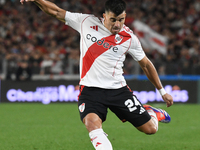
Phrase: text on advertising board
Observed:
(70, 93)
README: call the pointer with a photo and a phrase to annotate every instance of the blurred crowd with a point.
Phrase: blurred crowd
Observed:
(32, 42)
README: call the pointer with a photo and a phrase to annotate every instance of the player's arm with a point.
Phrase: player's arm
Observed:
(152, 75)
(49, 8)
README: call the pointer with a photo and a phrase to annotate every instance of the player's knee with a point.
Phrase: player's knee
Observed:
(150, 131)
(92, 122)
(148, 128)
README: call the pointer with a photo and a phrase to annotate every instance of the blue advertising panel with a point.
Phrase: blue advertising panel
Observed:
(40, 91)
(181, 91)
(67, 91)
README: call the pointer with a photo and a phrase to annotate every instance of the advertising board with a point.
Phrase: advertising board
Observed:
(181, 91)
(67, 91)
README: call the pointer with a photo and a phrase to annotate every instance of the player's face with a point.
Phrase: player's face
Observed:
(114, 23)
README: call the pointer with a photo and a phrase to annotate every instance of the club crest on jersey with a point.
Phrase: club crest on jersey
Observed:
(118, 38)
(82, 107)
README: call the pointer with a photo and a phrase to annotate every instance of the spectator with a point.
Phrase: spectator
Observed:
(35, 61)
(46, 64)
(23, 72)
(178, 20)
(11, 65)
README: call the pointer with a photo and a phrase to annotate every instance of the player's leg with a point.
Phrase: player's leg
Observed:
(92, 115)
(157, 115)
(92, 122)
(128, 108)
(98, 137)
(150, 127)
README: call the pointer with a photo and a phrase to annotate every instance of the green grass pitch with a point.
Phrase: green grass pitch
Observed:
(58, 127)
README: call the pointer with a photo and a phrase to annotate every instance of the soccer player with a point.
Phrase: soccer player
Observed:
(104, 43)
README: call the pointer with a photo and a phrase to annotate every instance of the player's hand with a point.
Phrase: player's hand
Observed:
(22, 1)
(168, 99)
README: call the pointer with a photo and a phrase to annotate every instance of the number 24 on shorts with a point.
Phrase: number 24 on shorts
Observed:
(131, 104)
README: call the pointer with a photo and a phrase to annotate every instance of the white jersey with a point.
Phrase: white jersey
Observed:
(103, 53)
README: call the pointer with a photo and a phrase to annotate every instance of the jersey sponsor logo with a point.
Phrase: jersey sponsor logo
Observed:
(101, 42)
(98, 47)
(82, 107)
(94, 27)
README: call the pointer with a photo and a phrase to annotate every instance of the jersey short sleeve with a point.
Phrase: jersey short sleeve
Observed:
(74, 20)
(136, 50)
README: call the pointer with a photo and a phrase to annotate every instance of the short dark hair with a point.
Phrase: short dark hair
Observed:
(115, 6)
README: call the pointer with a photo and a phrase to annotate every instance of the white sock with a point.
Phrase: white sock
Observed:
(153, 117)
(99, 140)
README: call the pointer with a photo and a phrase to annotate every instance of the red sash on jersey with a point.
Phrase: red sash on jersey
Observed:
(96, 50)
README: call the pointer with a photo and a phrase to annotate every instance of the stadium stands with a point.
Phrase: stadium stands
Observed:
(50, 47)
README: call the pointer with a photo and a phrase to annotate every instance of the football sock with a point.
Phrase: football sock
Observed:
(99, 140)
(153, 117)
